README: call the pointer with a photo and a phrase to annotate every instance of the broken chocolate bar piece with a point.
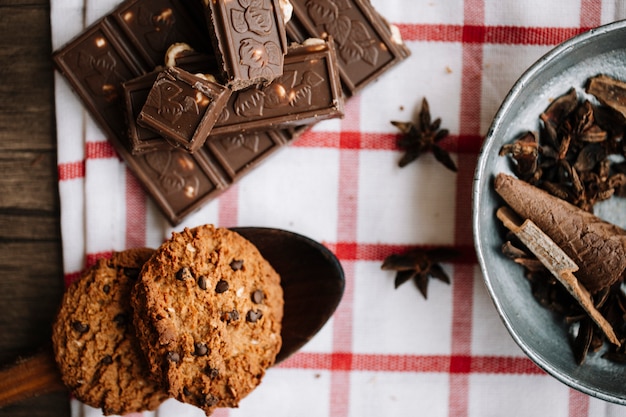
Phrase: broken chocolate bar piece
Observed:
(141, 139)
(95, 64)
(183, 107)
(308, 91)
(367, 45)
(249, 40)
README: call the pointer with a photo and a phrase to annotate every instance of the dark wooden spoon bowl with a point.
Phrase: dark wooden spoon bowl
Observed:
(312, 279)
(313, 283)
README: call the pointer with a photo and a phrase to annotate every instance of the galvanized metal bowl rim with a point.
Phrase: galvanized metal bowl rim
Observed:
(481, 171)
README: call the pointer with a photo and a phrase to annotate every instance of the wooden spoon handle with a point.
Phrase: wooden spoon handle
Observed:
(29, 377)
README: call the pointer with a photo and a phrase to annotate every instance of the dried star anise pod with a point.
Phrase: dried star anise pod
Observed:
(525, 153)
(571, 157)
(419, 265)
(423, 136)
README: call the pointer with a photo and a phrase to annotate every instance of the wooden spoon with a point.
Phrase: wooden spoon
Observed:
(313, 283)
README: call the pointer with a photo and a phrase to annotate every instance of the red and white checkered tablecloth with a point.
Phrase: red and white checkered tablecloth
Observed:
(385, 352)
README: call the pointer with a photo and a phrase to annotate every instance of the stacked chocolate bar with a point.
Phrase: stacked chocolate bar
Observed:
(193, 94)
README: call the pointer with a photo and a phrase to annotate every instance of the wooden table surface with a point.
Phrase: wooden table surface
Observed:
(31, 271)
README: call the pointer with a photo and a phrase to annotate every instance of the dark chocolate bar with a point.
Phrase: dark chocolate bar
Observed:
(366, 45)
(183, 107)
(308, 91)
(249, 40)
(96, 63)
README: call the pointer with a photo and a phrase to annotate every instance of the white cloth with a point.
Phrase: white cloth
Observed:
(386, 352)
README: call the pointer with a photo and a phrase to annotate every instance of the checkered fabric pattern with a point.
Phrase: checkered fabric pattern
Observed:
(385, 352)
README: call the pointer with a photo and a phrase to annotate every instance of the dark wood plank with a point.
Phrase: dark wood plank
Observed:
(27, 105)
(29, 181)
(31, 276)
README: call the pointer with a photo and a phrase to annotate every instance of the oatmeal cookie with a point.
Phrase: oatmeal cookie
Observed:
(94, 339)
(208, 311)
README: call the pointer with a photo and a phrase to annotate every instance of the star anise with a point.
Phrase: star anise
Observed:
(423, 136)
(419, 265)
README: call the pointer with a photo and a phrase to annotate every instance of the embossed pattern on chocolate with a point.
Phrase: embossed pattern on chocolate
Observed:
(366, 44)
(238, 153)
(183, 107)
(248, 38)
(308, 91)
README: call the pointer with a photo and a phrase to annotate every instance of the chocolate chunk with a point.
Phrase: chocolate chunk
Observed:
(202, 282)
(221, 286)
(107, 360)
(183, 107)
(249, 40)
(236, 264)
(211, 372)
(254, 315)
(121, 319)
(106, 288)
(210, 400)
(101, 58)
(132, 273)
(367, 46)
(200, 349)
(186, 391)
(184, 273)
(173, 356)
(230, 316)
(258, 296)
(80, 327)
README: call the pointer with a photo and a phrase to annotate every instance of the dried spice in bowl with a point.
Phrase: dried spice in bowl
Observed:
(577, 156)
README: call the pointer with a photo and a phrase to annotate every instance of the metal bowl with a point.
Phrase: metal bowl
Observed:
(542, 335)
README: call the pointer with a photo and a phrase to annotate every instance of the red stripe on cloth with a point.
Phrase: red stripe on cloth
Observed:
(219, 412)
(70, 277)
(100, 150)
(347, 209)
(135, 212)
(578, 404)
(590, 13)
(92, 258)
(477, 33)
(352, 251)
(458, 364)
(228, 211)
(71, 170)
(463, 277)
(381, 141)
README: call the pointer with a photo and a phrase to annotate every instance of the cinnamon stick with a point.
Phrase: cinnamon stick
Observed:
(29, 377)
(559, 265)
(596, 246)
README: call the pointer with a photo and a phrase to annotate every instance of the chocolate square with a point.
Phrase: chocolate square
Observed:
(249, 40)
(183, 107)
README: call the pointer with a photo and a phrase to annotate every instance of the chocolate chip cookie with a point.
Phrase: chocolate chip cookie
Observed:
(94, 341)
(208, 310)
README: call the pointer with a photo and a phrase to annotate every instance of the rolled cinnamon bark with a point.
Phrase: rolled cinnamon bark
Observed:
(596, 246)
